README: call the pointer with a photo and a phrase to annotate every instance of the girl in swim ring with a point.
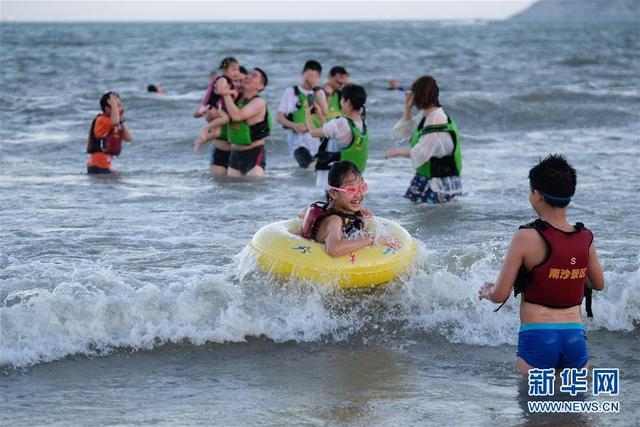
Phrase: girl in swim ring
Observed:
(336, 221)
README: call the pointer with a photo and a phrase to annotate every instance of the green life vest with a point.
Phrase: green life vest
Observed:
(357, 152)
(242, 134)
(446, 166)
(300, 115)
(223, 132)
(333, 103)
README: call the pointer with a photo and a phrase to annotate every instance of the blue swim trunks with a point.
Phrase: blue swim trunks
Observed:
(553, 345)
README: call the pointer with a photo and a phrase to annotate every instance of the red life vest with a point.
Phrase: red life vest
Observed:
(559, 282)
(111, 144)
(318, 211)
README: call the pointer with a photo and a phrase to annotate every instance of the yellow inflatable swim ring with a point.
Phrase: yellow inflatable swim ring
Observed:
(283, 252)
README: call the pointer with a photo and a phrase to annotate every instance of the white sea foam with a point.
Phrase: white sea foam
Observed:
(103, 312)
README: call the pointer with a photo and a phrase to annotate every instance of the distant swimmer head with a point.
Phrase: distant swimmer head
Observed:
(154, 88)
(553, 178)
(394, 84)
(346, 186)
(353, 98)
(230, 67)
(311, 73)
(425, 93)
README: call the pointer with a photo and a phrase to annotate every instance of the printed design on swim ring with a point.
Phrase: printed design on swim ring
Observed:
(389, 250)
(308, 260)
(302, 249)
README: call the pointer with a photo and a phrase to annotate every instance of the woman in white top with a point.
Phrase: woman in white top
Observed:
(339, 134)
(435, 145)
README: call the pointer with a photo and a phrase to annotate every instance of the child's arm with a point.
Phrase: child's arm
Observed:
(222, 88)
(114, 119)
(398, 152)
(595, 276)
(314, 131)
(500, 291)
(227, 91)
(222, 118)
(303, 212)
(335, 245)
(319, 114)
(124, 130)
(367, 213)
(321, 101)
(200, 111)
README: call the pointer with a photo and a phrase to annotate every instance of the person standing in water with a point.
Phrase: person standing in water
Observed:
(249, 126)
(337, 79)
(212, 109)
(344, 138)
(549, 261)
(435, 145)
(291, 113)
(106, 134)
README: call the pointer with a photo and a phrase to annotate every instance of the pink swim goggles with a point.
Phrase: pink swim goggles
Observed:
(352, 190)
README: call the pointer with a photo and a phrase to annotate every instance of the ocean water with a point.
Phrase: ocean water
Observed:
(132, 299)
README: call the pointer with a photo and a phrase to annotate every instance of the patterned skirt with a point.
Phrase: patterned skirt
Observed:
(433, 190)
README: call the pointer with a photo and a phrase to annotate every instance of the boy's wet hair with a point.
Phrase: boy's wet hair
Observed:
(243, 70)
(226, 62)
(312, 64)
(334, 71)
(555, 179)
(104, 99)
(425, 92)
(355, 94)
(338, 172)
(265, 79)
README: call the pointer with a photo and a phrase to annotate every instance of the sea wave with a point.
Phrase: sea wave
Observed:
(100, 312)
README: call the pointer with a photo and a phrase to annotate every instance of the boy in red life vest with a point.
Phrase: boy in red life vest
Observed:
(106, 134)
(550, 261)
(336, 222)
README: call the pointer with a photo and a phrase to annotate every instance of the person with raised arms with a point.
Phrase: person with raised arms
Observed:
(106, 134)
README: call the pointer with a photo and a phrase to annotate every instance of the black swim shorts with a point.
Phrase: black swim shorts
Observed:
(220, 157)
(94, 170)
(244, 161)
